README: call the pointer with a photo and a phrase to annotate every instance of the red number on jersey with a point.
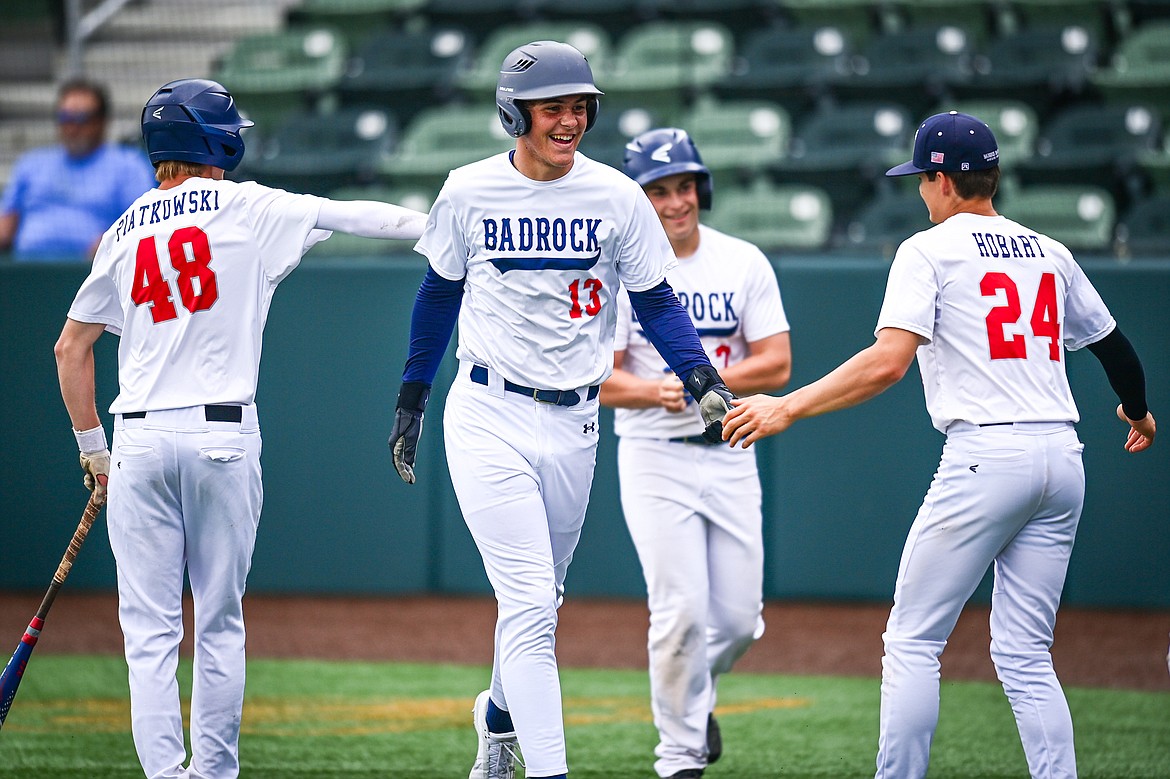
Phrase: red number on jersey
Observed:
(150, 287)
(1044, 320)
(593, 307)
(197, 285)
(191, 256)
(724, 351)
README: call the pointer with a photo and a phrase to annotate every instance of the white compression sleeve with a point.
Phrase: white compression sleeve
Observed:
(371, 219)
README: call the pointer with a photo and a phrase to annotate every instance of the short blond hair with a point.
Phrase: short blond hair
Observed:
(169, 169)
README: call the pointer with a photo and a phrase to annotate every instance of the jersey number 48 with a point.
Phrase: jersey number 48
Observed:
(190, 255)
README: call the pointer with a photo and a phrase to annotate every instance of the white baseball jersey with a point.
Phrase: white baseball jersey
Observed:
(182, 277)
(541, 263)
(996, 327)
(730, 291)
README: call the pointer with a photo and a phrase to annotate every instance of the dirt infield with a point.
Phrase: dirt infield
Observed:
(1120, 649)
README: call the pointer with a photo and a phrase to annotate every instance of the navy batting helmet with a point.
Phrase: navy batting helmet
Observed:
(194, 120)
(539, 71)
(663, 152)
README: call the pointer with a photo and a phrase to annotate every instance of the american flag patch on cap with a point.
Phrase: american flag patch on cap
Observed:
(936, 157)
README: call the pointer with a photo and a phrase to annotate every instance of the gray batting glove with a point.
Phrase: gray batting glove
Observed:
(707, 387)
(97, 473)
(408, 418)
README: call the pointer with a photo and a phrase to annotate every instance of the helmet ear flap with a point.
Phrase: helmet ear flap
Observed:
(591, 109)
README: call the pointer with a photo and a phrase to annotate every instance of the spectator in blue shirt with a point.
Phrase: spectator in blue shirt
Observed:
(60, 199)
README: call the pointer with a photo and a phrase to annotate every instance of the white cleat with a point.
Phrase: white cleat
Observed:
(496, 756)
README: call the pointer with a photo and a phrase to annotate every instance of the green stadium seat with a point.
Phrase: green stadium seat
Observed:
(1094, 143)
(355, 19)
(919, 65)
(1094, 15)
(1082, 217)
(406, 70)
(615, 126)
(977, 19)
(774, 217)
(1140, 68)
(443, 138)
(667, 62)
(739, 136)
(274, 74)
(1014, 123)
(319, 152)
(478, 81)
(881, 224)
(1144, 230)
(792, 65)
(845, 148)
(1043, 65)
(861, 18)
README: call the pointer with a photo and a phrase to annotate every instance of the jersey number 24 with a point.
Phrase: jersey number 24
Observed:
(190, 255)
(1045, 321)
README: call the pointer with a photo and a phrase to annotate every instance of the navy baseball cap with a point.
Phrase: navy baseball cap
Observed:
(951, 142)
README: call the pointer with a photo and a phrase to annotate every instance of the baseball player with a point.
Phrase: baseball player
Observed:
(694, 510)
(989, 308)
(185, 278)
(527, 250)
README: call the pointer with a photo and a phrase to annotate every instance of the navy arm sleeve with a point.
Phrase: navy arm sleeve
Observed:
(670, 329)
(436, 310)
(1124, 370)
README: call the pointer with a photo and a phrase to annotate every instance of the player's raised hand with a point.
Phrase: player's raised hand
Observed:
(408, 418)
(1141, 431)
(97, 472)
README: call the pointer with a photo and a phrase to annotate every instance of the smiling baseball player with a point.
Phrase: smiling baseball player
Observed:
(694, 510)
(528, 249)
(185, 278)
(989, 308)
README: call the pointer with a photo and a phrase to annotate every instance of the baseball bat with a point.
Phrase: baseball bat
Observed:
(14, 671)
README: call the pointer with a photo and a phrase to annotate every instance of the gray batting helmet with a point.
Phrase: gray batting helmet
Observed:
(656, 154)
(539, 71)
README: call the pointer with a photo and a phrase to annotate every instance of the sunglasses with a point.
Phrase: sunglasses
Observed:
(76, 117)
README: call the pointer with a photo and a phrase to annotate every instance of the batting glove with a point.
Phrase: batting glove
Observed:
(706, 386)
(95, 461)
(408, 418)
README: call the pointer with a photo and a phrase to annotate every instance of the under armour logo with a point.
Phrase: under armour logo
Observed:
(662, 153)
(972, 467)
(157, 113)
(589, 427)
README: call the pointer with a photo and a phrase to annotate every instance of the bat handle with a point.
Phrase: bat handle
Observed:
(87, 520)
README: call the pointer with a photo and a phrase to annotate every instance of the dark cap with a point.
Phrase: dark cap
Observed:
(951, 142)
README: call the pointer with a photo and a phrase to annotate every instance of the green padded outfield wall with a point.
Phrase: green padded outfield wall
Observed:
(840, 490)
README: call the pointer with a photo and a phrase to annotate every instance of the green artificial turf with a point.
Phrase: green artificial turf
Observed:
(412, 721)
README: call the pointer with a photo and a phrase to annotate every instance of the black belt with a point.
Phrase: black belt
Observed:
(479, 375)
(210, 413)
(692, 439)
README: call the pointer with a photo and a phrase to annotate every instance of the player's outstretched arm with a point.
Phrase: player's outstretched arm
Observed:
(864, 375)
(623, 389)
(371, 219)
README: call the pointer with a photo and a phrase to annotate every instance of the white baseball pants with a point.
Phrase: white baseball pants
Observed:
(184, 495)
(522, 471)
(694, 514)
(1003, 494)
